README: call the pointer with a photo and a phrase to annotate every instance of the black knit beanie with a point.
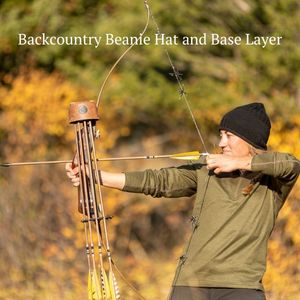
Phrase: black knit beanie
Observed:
(250, 122)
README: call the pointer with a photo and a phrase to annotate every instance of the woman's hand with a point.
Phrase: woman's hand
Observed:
(73, 173)
(227, 163)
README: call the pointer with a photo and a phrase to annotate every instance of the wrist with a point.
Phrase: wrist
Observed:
(245, 163)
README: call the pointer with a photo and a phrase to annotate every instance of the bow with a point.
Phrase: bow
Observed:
(84, 116)
(90, 202)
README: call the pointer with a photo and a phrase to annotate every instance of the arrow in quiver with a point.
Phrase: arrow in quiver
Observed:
(100, 286)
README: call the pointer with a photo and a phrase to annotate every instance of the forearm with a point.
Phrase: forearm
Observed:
(112, 180)
(243, 163)
(108, 179)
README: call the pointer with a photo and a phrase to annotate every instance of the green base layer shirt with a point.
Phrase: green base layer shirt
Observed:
(228, 245)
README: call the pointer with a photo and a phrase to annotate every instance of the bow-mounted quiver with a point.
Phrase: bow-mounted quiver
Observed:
(83, 115)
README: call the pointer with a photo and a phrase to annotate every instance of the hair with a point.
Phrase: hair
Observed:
(249, 188)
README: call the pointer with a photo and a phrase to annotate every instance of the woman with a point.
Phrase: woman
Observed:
(238, 196)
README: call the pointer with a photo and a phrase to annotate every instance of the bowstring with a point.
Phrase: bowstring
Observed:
(178, 77)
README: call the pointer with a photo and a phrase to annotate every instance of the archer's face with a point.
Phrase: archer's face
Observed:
(233, 145)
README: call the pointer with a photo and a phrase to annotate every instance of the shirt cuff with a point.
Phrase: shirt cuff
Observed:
(263, 163)
(133, 182)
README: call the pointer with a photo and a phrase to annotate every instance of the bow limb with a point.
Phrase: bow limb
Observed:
(122, 56)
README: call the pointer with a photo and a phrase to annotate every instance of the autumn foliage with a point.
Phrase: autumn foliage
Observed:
(41, 235)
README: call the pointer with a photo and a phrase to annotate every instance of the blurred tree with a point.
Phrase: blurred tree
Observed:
(140, 112)
(34, 210)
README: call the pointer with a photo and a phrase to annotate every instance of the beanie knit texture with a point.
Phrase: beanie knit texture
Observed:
(250, 122)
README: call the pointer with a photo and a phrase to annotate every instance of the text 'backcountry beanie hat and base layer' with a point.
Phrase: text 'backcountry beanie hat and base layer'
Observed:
(250, 122)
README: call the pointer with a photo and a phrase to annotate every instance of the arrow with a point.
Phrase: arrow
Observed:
(192, 155)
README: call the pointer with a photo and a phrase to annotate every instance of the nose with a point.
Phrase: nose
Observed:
(223, 141)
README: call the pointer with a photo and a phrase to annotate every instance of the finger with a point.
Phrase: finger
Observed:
(212, 162)
(211, 166)
(217, 170)
(214, 156)
(209, 161)
(68, 166)
(70, 175)
(73, 173)
(71, 169)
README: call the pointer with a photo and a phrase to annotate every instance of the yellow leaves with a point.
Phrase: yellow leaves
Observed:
(34, 111)
(68, 232)
(281, 278)
(286, 139)
(292, 227)
(51, 250)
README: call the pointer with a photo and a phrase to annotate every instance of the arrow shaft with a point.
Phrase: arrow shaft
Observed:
(53, 162)
(34, 163)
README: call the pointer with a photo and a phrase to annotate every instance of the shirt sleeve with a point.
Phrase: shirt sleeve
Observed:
(283, 167)
(278, 165)
(168, 182)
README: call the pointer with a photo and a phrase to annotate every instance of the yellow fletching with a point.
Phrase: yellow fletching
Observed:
(90, 294)
(105, 285)
(94, 290)
(114, 289)
(193, 155)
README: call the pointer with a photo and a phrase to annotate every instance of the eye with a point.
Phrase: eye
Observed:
(222, 133)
